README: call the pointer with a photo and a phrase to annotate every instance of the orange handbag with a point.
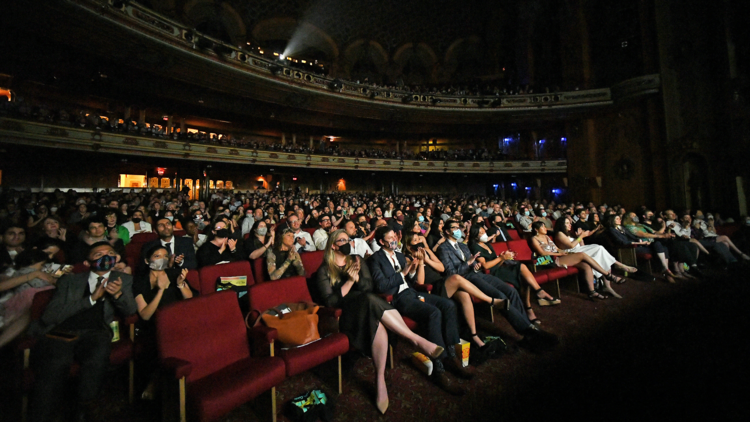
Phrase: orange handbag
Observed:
(295, 328)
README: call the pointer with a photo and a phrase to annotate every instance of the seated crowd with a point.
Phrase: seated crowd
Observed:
(374, 247)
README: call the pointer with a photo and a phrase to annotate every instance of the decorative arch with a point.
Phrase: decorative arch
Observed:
(364, 58)
(415, 63)
(197, 12)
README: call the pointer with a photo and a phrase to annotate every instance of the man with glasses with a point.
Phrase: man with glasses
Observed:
(457, 259)
(320, 237)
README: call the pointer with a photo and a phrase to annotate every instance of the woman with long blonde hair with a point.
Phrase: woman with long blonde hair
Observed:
(344, 281)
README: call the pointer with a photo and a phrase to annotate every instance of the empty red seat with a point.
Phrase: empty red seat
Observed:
(209, 275)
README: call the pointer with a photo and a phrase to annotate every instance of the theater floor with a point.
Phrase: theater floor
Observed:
(663, 352)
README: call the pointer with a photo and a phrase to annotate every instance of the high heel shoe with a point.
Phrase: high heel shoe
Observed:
(534, 321)
(543, 301)
(382, 406)
(613, 278)
(596, 295)
(506, 304)
(436, 354)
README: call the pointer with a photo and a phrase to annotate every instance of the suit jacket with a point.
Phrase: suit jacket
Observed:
(385, 278)
(622, 238)
(69, 299)
(180, 246)
(452, 260)
(494, 229)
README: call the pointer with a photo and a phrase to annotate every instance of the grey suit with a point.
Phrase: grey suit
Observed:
(91, 348)
(491, 286)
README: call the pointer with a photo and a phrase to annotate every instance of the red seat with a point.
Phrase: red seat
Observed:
(514, 234)
(289, 290)
(309, 231)
(143, 238)
(204, 343)
(521, 248)
(209, 275)
(311, 261)
(194, 280)
(541, 277)
(499, 247)
(260, 271)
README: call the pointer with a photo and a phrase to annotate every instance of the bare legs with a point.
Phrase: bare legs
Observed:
(456, 282)
(393, 322)
(575, 258)
(379, 358)
(725, 240)
(15, 328)
(464, 299)
(700, 247)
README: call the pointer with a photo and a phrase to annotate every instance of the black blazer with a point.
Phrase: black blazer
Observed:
(622, 238)
(385, 278)
(180, 246)
(495, 229)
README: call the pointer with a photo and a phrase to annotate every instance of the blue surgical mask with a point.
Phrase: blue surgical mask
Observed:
(458, 234)
(635, 219)
(544, 214)
(421, 219)
(526, 213)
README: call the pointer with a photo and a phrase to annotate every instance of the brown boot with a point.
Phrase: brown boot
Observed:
(441, 380)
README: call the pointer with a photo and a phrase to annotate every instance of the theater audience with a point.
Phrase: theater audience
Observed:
(113, 229)
(344, 281)
(358, 244)
(260, 241)
(218, 247)
(180, 250)
(622, 237)
(136, 224)
(303, 242)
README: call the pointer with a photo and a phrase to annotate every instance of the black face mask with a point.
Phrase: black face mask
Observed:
(223, 233)
(136, 220)
(345, 249)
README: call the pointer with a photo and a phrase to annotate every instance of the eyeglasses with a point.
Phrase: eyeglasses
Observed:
(343, 240)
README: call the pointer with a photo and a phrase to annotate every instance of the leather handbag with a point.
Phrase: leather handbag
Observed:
(295, 327)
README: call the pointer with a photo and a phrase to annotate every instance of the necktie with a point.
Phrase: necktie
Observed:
(461, 254)
(98, 283)
(168, 245)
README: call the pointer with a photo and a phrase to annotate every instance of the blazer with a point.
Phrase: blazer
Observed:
(68, 300)
(384, 277)
(180, 246)
(495, 229)
(622, 238)
(452, 260)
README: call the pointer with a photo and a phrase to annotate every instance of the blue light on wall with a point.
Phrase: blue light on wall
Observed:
(514, 184)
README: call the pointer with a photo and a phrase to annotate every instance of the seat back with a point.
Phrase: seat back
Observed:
(521, 248)
(40, 302)
(207, 331)
(260, 269)
(263, 296)
(194, 280)
(143, 238)
(311, 261)
(309, 231)
(210, 274)
(499, 247)
(514, 234)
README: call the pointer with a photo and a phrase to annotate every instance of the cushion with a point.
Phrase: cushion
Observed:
(301, 359)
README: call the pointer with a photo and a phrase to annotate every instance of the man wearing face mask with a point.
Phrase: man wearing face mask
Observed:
(248, 222)
(218, 248)
(180, 248)
(396, 223)
(391, 275)
(357, 246)
(457, 259)
(75, 327)
(525, 219)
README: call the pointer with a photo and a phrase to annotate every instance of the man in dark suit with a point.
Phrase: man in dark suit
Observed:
(457, 259)
(179, 247)
(75, 326)
(390, 273)
(498, 228)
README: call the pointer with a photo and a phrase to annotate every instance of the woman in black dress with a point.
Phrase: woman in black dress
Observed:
(454, 287)
(514, 273)
(344, 281)
(158, 287)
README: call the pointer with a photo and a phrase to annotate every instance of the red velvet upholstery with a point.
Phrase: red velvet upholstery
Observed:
(644, 256)
(555, 273)
(521, 248)
(79, 267)
(143, 237)
(310, 231)
(541, 277)
(572, 270)
(514, 234)
(133, 250)
(294, 289)
(259, 269)
(210, 274)
(209, 333)
(499, 247)
(311, 261)
(194, 280)
(410, 323)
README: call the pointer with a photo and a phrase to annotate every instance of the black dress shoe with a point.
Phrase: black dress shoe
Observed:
(454, 365)
(441, 380)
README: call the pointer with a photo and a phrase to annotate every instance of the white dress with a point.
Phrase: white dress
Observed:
(600, 255)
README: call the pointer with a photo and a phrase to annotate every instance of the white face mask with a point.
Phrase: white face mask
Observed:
(484, 238)
(159, 264)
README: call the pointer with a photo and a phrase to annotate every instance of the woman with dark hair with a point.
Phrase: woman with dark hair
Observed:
(620, 236)
(513, 272)
(41, 212)
(454, 287)
(285, 253)
(435, 235)
(564, 240)
(123, 214)
(260, 241)
(218, 247)
(542, 245)
(344, 281)
(158, 286)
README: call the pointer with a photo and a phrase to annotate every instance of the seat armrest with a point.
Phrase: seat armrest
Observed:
(387, 298)
(25, 343)
(329, 312)
(132, 319)
(423, 287)
(263, 334)
(177, 367)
